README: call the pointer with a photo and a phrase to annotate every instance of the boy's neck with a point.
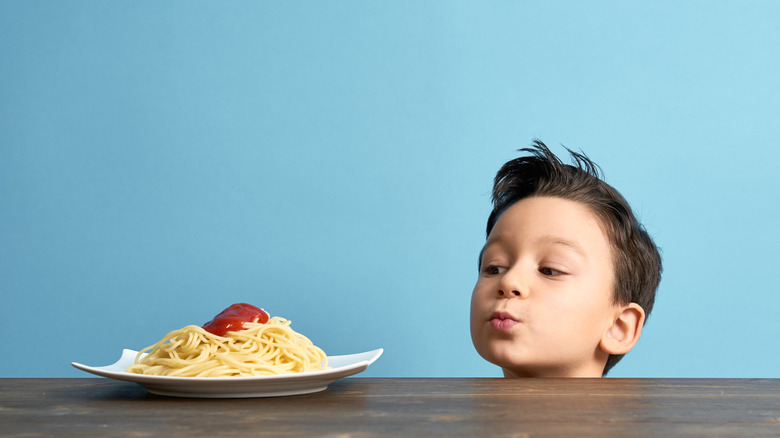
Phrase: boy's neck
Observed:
(584, 371)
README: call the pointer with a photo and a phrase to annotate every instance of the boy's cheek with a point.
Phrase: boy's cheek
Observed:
(475, 299)
(479, 305)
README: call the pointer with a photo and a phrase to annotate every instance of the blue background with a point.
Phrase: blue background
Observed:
(332, 163)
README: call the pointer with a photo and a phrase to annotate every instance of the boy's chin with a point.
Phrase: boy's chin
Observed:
(516, 362)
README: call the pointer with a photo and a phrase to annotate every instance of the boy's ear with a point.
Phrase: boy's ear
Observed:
(624, 333)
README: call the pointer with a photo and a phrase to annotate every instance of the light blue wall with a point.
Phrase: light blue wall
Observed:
(332, 162)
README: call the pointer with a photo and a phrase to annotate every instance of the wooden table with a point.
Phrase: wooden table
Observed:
(365, 407)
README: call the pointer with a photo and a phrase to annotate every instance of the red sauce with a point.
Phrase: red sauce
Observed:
(233, 318)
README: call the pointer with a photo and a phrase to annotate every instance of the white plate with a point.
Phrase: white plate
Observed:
(237, 387)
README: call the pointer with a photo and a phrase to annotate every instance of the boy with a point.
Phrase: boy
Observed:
(567, 276)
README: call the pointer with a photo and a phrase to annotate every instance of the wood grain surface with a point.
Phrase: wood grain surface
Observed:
(367, 407)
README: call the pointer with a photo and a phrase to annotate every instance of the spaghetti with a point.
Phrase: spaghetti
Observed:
(257, 349)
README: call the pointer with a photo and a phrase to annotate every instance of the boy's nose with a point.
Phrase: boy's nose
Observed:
(511, 286)
(510, 293)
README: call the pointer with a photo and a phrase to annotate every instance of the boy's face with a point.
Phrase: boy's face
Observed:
(543, 299)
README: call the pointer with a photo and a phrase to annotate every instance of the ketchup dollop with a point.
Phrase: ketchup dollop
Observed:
(233, 318)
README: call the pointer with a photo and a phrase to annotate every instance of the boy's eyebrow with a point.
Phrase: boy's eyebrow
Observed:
(560, 241)
(549, 239)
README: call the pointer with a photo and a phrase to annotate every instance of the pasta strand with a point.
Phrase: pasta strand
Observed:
(259, 349)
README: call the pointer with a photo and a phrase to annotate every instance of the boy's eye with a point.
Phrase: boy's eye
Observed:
(550, 272)
(492, 270)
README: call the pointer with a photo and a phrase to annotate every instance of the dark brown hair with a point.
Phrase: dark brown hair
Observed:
(636, 258)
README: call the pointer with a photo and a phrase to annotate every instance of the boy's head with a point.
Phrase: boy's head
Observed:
(567, 276)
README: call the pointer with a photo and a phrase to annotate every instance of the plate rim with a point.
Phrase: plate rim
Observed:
(336, 372)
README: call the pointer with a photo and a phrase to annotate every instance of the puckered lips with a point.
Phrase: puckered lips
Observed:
(502, 321)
